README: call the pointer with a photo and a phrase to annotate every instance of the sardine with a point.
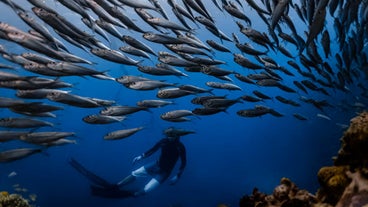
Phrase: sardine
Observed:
(16, 154)
(14, 122)
(102, 119)
(121, 134)
(114, 56)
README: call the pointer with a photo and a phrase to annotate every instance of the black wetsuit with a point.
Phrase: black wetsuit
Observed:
(171, 150)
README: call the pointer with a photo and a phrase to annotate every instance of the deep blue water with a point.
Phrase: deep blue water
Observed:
(228, 155)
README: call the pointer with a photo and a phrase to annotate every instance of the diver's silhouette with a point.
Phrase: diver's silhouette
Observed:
(171, 150)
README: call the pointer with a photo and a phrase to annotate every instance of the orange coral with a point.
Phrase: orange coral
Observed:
(4, 193)
(333, 181)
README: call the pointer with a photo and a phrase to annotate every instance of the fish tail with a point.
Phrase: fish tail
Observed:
(210, 91)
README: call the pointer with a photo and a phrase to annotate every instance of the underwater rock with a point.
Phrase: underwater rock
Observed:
(287, 194)
(354, 147)
(12, 200)
(356, 194)
(343, 185)
(333, 181)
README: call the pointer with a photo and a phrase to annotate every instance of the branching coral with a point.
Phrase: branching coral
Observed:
(12, 200)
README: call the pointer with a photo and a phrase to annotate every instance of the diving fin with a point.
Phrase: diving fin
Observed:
(89, 175)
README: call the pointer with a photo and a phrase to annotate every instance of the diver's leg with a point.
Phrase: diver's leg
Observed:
(152, 184)
(140, 172)
(128, 179)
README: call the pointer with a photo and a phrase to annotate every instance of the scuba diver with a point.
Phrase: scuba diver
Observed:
(171, 150)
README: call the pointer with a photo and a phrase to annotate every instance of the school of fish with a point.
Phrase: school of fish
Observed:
(327, 56)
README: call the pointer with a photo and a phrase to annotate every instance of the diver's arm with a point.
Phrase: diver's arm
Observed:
(153, 149)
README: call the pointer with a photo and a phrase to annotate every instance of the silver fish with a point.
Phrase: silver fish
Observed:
(44, 70)
(14, 122)
(220, 103)
(16, 154)
(37, 93)
(167, 24)
(121, 134)
(148, 85)
(34, 107)
(176, 114)
(125, 20)
(153, 103)
(299, 116)
(6, 136)
(215, 71)
(159, 8)
(59, 142)
(9, 102)
(228, 86)
(44, 137)
(114, 56)
(72, 69)
(278, 12)
(128, 79)
(207, 111)
(102, 13)
(182, 48)
(161, 38)
(37, 58)
(122, 110)
(134, 51)
(138, 4)
(71, 99)
(217, 46)
(173, 93)
(235, 12)
(91, 23)
(195, 89)
(254, 112)
(102, 119)
(159, 71)
(316, 26)
(36, 26)
(145, 16)
(110, 28)
(5, 76)
(245, 62)
(138, 44)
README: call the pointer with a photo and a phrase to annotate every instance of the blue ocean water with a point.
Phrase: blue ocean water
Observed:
(228, 155)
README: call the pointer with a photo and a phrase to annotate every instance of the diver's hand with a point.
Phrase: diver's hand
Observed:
(136, 159)
(173, 180)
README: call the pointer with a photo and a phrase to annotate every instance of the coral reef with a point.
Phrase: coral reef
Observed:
(12, 200)
(333, 181)
(354, 147)
(356, 194)
(343, 185)
(287, 194)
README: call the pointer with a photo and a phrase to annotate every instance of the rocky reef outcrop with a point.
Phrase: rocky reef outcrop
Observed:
(12, 200)
(345, 184)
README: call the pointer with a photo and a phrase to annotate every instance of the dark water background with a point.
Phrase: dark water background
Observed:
(227, 157)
